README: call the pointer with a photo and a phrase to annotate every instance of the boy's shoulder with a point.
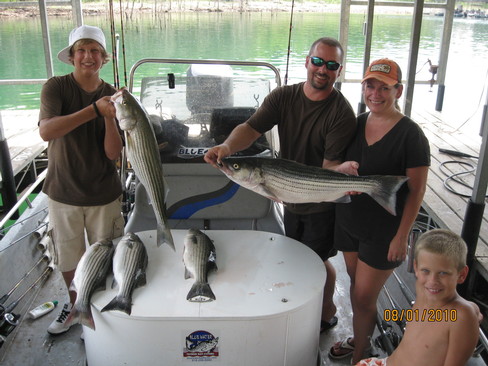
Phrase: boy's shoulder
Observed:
(466, 309)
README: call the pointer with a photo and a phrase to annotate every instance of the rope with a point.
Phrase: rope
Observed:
(469, 170)
(289, 41)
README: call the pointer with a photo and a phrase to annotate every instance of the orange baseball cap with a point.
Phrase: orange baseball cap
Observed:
(384, 70)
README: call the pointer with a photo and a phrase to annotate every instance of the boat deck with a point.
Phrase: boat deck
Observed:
(30, 345)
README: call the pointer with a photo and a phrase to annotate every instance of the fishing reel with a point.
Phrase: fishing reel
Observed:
(7, 324)
(388, 340)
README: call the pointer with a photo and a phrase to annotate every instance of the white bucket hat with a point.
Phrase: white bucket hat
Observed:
(83, 32)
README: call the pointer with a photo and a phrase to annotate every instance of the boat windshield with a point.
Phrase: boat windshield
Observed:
(194, 104)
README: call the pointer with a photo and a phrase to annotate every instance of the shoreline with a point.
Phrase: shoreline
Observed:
(235, 6)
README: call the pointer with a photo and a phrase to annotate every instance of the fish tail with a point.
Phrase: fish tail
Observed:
(200, 292)
(83, 317)
(119, 303)
(164, 236)
(385, 191)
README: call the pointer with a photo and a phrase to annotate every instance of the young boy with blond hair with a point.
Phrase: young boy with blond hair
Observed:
(443, 328)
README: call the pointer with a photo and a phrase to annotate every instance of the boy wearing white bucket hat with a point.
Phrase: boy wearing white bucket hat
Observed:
(78, 120)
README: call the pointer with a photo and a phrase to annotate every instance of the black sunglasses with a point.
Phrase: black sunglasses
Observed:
(330, 65)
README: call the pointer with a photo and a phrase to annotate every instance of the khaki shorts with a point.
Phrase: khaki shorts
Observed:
(71, 227)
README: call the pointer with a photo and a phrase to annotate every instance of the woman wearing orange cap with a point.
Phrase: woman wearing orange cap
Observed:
(372, 240)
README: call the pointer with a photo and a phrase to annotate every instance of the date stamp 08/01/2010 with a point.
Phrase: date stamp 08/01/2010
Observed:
(425, 315)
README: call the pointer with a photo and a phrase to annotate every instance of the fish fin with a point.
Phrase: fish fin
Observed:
(164, 236)
(187, 274)
(212, 266)
(119, 303)
(72, 287)
(385, 192)
(83, 317)
(114, 283)
(166, 191)
(200, 292)
(140, 278)
(265, 192)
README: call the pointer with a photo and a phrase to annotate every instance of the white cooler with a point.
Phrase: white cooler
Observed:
(268, 292)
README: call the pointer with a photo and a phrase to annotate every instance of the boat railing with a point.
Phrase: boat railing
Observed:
(24, 198)
(203, 62)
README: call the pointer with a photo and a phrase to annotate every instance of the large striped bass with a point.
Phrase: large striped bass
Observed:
(129, 267)
(143, 153)
(290, 182)
(199, 258)
(90, 275)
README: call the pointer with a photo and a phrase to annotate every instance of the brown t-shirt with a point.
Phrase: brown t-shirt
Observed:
(309, 131)
(79, 172)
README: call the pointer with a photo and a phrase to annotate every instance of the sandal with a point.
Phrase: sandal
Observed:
(326, 325)
(344, 347)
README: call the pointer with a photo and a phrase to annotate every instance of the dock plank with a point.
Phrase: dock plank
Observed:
(447, 208)
(23, 140)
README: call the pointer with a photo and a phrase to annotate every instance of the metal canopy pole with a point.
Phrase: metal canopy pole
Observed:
(367, 49)
(476, 204)
(413, 56)
(344, 37)
(77, 12)
(46, 38)
(444, 53)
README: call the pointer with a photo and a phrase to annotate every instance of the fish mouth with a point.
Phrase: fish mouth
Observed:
(224, 168)
(115, 98)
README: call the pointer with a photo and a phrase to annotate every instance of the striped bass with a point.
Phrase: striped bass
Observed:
(290, 182)
(90, 275)
(143, 154)
(129, 267)
(199, 258)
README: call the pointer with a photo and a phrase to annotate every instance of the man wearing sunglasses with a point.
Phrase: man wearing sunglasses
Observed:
(315, 124)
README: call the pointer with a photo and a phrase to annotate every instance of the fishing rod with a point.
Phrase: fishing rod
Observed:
(123, 42)
(398, 320)
(383, 340)
(115, 64)
(289, 41)
(43, 276)
(44, 243)
(45, 257)
(409, 296)
(9, 320)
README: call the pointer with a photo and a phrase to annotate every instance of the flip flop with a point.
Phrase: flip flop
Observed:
(344, 346)
(326, 325)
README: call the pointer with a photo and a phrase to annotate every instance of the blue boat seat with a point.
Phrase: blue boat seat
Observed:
(200, 196)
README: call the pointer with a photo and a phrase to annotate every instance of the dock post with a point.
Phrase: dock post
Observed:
(9, 194)
(476, 204)
(440, 98)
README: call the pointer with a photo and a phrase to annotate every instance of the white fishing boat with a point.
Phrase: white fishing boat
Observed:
(268, 287)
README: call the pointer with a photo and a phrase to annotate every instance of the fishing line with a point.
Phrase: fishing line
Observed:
(289, 41)
(479, 104)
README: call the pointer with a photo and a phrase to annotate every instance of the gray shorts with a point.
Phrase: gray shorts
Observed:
(73, 227)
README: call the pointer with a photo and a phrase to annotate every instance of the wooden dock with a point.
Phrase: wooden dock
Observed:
(22, 134)
(446, 201)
